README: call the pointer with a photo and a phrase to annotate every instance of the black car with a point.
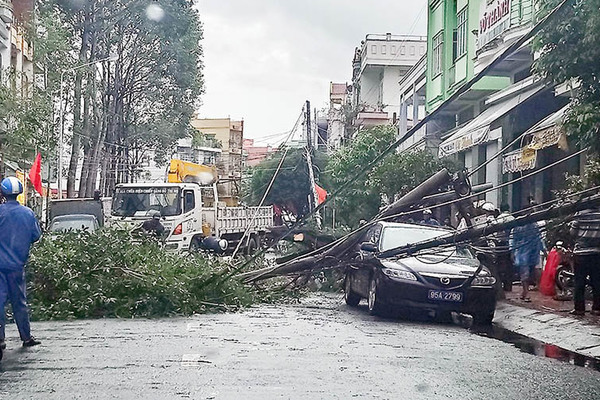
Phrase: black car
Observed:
(432, 280)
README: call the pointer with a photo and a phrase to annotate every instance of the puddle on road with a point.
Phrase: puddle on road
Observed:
(537, 348)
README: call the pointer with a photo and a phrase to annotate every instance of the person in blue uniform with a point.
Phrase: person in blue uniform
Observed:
(19, 228)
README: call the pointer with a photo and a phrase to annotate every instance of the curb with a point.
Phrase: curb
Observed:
(567, 333)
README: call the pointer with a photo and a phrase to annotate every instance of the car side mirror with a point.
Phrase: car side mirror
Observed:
(369, 247)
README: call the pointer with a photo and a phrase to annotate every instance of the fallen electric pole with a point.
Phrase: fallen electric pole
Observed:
(335, 255)
(340, 250)
(483, 231)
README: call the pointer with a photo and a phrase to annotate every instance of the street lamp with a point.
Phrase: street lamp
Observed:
(62, 115)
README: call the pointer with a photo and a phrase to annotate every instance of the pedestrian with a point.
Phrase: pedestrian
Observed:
(525, 246)
(504, 260)
(19, 228)
(153, 225)
(448, 223)
(428, 219)
(585, 228)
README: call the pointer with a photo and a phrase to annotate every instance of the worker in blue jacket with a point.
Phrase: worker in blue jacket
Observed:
(19, 228)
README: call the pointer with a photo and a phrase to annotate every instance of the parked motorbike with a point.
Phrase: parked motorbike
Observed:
(565, 272)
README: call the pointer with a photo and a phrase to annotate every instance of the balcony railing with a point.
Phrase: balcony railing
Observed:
(6, 11)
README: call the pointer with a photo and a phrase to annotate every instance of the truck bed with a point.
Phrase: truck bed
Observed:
(237, 219)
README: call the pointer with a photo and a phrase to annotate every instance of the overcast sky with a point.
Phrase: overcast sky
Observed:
(264, 58)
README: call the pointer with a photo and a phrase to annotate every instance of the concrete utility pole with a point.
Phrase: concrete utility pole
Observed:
(311, 176)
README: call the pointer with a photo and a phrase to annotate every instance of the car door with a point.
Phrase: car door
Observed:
(362, 265)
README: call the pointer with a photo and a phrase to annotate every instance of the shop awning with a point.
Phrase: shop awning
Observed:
(477, 131)
(545, 133)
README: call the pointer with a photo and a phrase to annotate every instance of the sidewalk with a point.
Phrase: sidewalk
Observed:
(548, 321)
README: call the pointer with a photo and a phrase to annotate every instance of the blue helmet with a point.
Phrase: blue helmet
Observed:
(11, 186)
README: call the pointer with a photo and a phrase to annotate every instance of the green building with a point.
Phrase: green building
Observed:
(465, 37)
(460, 31)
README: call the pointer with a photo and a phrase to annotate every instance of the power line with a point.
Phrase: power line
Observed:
(462, 90)
(268, 188)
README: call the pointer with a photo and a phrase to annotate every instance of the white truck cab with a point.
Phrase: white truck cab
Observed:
(190, 213)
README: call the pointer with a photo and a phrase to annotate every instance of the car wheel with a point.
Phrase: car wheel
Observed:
(483, 319)
(351, 298)
(374, 300)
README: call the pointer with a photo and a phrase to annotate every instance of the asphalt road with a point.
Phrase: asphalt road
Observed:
(320, 349)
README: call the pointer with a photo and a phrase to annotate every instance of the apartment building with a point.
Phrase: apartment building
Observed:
(464, 38)
(379, 63)
(16, 53)
(229, 136)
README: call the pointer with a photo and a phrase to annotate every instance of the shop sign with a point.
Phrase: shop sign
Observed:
(463, 142)
(519, 160)
(494, 18)
(22, 198)
(546, 138)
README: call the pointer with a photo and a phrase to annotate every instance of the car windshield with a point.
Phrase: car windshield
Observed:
(141, 201)
(75, 224)
(397, 236)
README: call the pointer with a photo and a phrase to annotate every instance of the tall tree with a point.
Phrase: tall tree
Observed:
(396, 175)
(569, 49)
(140, 99)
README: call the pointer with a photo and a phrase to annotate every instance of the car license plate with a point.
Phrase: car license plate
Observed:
(441, 295)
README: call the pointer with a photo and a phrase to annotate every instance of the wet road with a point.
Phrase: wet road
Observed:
(320, 349)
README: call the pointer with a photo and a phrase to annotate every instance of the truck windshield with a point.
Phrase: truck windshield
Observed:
(142, 201)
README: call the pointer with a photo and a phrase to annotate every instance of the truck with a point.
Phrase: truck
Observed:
(66, 209)
(191, 212)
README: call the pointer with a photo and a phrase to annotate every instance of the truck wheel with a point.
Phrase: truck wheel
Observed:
(195, 245)
(251, 249)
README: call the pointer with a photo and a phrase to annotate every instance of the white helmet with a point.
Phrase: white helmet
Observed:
(487, 206)
(11, 186)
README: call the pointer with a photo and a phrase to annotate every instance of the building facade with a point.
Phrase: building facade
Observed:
(339, 105)
(502, 108)
(16, 68)
(254, 155)
(378, 64)
(16, 53)
(229, 135)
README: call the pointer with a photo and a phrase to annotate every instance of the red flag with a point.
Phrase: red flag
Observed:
(321, 193)
(35, 174)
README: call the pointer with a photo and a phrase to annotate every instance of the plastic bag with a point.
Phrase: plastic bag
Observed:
(549, 274)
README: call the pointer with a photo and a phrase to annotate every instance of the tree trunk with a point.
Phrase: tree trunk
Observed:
(77, 128)
(86, 139)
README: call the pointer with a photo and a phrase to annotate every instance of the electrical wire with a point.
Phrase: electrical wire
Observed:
(461, 91)
(329, 246)
(246, 232)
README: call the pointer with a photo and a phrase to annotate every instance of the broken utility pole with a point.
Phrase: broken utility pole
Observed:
(311, 175)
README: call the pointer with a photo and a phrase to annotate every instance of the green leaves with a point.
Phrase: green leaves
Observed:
(109, 274)
(569, 50)
(362, 199)
(291, 187)
(395, 176)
